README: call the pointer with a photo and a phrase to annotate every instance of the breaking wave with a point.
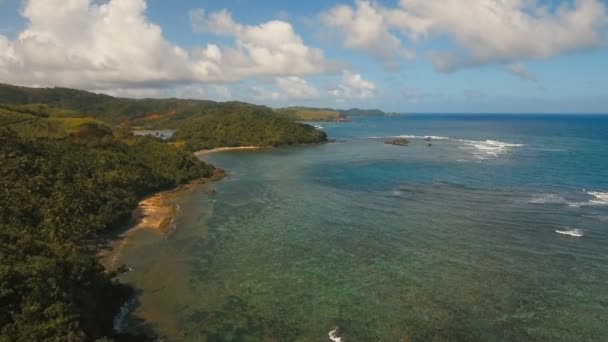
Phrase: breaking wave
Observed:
(431, 137)
(484, 149)
(480, 149)
(571, 232)
(599, 198)
(333, 335)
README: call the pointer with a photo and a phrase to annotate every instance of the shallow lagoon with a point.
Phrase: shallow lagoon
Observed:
(454, 241)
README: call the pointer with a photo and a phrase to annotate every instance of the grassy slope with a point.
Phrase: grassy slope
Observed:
(38, 123)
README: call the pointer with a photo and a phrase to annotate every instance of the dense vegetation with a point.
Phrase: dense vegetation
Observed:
(311, 114)
(70, 169)
(62, 182)
(233, 123)
(249, 126)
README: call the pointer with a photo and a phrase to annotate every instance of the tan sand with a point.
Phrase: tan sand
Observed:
(157, 213)
(222, 149)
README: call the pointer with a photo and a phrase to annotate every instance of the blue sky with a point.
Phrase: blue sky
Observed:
(410, 56)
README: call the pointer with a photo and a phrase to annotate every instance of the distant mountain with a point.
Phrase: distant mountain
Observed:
(327, 114)
(355, 112)
(311, 114)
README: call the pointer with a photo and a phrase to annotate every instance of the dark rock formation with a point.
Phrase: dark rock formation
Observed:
(398, 142)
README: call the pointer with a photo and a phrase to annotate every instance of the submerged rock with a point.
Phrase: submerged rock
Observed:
(398, 142)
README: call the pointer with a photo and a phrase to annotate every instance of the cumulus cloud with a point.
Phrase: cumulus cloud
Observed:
(353, 86)
(520, 70)
(297, 88)
(285, 89)
(493, 31)
(367, 28)
(481, 31)
(271, 48)
(79, 43)
(112, 45)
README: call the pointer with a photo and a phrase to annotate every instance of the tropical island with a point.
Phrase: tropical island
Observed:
(71, 169)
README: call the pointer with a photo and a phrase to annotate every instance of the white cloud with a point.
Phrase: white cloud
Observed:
(284, 89)
(297, 88)
(366, 28)
(96, 46)
(506, 31)
(520, 70)
(112, 45)
(353, 86)
(481, 31)
(271, 48)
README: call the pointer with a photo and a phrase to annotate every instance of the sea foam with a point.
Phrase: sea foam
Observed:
(333, 335)
(548, 198)
(481, 149)
(571, 232)
(599, 198)
(485, 149)
(432, 137)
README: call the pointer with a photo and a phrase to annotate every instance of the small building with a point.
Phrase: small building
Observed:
(163, 134)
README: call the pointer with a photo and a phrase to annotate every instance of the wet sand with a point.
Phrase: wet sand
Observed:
(223, 149)
(156, 213)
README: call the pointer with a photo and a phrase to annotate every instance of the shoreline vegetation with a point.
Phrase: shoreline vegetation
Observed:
(61, 194)
(71, 170)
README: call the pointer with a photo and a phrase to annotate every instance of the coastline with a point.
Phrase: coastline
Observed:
(155, 212)
(223, 149)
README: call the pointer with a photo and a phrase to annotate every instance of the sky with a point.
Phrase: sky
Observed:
(408, 56)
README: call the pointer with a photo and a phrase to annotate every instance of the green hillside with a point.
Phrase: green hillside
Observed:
(63, 182)
(264, 126)
(310, 114)
(70, 169)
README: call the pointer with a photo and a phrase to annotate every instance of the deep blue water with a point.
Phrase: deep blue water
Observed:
(457, 241)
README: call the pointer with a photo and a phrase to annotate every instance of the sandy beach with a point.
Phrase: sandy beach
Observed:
(223, 149)
(156, 212)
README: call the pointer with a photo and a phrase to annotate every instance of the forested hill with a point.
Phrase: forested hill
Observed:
(61, 183)
(110, 109)
(70, 168)
(199, 124)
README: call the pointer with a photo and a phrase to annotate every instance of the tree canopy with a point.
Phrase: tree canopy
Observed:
(56, 195)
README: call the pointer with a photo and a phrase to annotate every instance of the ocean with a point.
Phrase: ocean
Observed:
(494, 229)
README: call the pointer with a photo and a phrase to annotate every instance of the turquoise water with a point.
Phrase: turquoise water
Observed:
(455, 241)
